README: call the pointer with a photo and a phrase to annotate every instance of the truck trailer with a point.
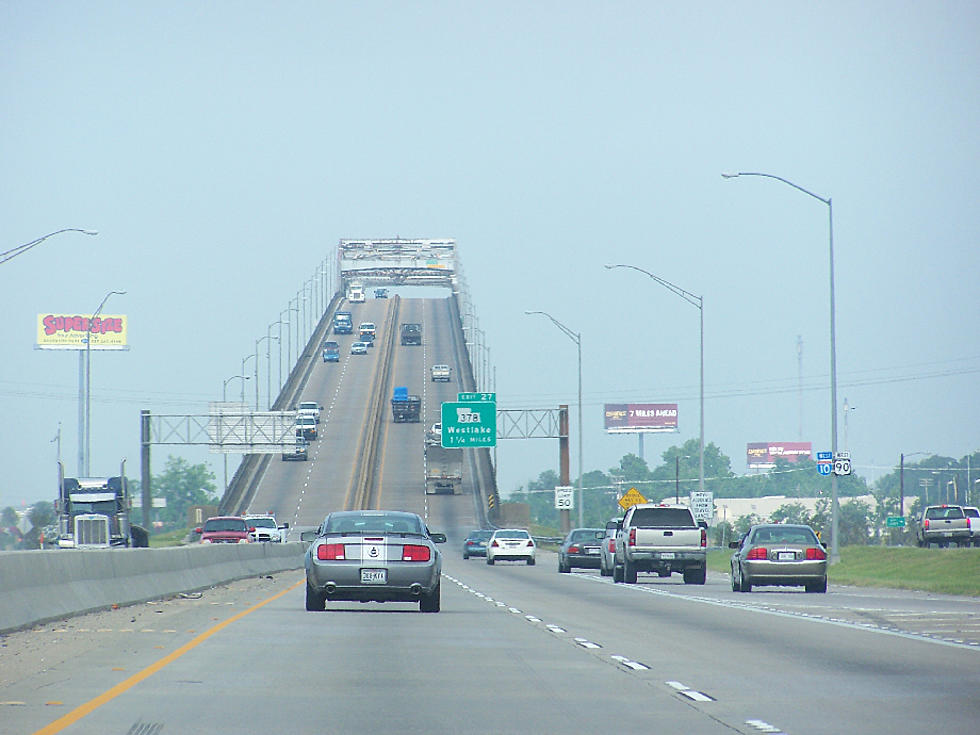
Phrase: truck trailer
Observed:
(405, 408)
(443, 470)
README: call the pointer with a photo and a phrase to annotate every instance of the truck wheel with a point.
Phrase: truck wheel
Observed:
(315, 601)
(617, 573)
(629, 572)
(695, 576)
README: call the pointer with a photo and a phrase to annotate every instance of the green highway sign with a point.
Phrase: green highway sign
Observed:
(482, 397)
(469, 424)
(895, 522)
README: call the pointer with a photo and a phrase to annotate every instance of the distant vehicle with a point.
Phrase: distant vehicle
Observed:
(662, 539)
(307, 425)
(608, 553)
(300, 450)
(443, 470)
(368, 332)
(224, 530)
(582, 547)
(433, 435)
(973, 514)
(476, 543)
(343, 323)
(411, 333)
(943, 525)
(405, 408)
(780, 554)
(93, 512)
(331, 351)
(310, 408)
(373, 556)
(380, 293)
(510, 544)
(355, 292)
(358, 348)
(262, 528)
(441, 372)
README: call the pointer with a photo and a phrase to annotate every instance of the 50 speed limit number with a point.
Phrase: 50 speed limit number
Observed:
(564, 497)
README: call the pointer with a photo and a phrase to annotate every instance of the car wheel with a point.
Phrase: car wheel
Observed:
(489, 560)
(431, 602)
(820, 586)
(315, 601)
(563, 568)
(629, 572)
(466, 556)
(695, 576)
(734, 584)
(530, 561)
(744, 585)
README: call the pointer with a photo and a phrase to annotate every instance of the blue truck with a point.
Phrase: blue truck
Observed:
(405, 408)
(343, 323)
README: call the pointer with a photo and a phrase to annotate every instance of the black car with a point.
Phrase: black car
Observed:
(476, 544)
(582, 547)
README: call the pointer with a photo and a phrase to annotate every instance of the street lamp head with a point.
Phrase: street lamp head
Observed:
(89, 232)
(729, 175)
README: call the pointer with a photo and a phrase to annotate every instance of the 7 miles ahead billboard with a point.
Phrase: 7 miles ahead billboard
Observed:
(640, 418)
(762, 455)
(69, 331)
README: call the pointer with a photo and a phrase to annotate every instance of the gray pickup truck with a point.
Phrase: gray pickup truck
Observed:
(662, 539)
(943, 524)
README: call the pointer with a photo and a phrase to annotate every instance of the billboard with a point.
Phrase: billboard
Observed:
(69, 331)
(640, 418)
(762, 455)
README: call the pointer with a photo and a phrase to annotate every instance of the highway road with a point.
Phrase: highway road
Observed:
(515, 649)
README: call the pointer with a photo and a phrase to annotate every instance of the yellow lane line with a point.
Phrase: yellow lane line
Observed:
(85, 709)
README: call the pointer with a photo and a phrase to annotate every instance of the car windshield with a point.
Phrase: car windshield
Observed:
(784, 535)
(479, 536)
(261, 522)
(512, 534)
(663, 518)
(375, 523)
(938, 514)
(224, 524)
(308, 406)
(587, 534)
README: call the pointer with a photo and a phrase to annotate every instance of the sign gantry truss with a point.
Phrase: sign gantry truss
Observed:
(417, 262)
(229, 428)
(529, 423)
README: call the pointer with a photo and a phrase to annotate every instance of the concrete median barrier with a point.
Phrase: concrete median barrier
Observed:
(38, 586)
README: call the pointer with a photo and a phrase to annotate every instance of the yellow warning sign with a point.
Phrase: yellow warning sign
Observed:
(631, 498)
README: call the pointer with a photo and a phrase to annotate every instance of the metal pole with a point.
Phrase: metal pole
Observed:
(701, 446)
(581, 492)
(81, 414)
(88, 378)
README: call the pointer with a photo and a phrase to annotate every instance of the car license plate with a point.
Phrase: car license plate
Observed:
(667, 555)
(947, 533)
(374, 576)
(592, 551)
(786, 556)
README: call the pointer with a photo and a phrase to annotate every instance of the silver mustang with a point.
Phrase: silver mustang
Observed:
(373, 556)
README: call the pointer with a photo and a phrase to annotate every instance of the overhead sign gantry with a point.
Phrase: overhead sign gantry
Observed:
(395, 262)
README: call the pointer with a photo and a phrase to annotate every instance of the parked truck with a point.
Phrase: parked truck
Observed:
(405, 408)
(443, 470)
(93, 512)
(663, 539)
(411, 333)
(343, 322)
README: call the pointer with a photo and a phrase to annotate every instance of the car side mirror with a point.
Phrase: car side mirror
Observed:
(285, 525)
(308, 536)
(438, 538)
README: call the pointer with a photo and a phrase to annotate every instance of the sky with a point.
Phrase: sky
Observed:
(221, 150)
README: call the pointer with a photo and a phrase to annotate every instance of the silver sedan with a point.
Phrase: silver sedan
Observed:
(779, 554)
(373, 556)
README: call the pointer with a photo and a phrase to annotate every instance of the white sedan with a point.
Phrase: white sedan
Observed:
(510, 544)
(359, 348)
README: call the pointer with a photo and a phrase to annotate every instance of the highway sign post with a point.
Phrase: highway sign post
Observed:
(469, 424)
(631, 498)
(482, 397)
(702, 505)
(842, 463)
(825, 463)
(895, 522)
(564, 497)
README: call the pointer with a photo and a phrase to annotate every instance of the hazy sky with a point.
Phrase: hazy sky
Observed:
(222, 149)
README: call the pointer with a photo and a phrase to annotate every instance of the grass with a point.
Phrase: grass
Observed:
(170, 538)
(945, 571)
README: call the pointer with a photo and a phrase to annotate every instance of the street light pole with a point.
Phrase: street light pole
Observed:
(576, 337)
(268, 363)
(835, 510)
(244, 360)
(224, 399)
(21, 249)
(258, 342)
(88, 379)
(697, 301)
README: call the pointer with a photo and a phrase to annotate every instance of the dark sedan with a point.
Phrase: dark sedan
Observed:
(476, 543)
(582, 547)
(779, 554)
(373, 556)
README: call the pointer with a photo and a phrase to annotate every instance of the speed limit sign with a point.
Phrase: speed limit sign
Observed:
(564, 497)
(842, 463)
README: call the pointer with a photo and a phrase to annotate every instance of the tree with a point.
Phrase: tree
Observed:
(183, 485)
(791, 513)
(8, 517)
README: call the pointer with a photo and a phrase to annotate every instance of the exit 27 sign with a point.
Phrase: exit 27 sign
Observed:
(469, 424)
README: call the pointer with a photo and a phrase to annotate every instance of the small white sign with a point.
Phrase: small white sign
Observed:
(565, 497)
(702, 505)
